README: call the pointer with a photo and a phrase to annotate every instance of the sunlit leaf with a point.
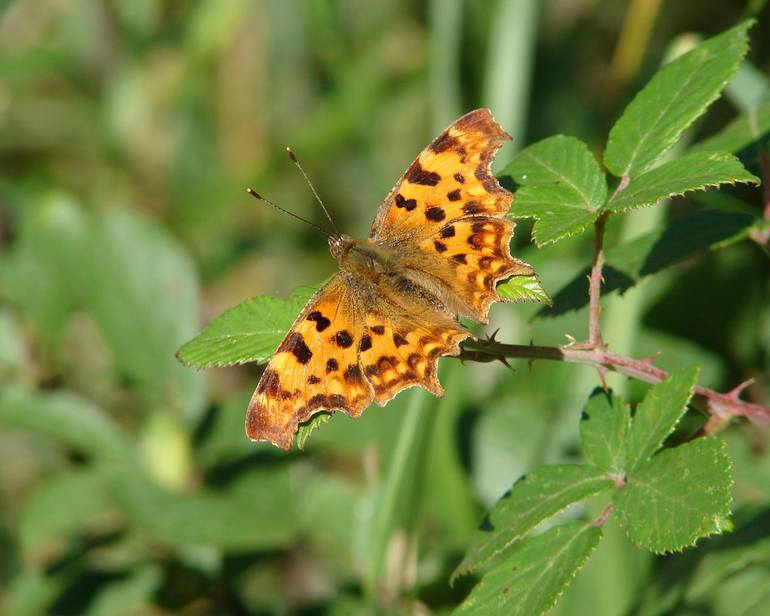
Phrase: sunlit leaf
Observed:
(679, 496)
(534, 498)
(678, 94)
(248, 332)
(603, 431)
(524, 289)
(537, 571)
(657, 414)
(697, 171)
(741, 132)
(561, 186)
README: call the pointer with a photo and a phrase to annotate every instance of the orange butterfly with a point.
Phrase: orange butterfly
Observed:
(436, 250)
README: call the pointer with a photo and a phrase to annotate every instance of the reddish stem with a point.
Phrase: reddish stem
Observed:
(718, 405)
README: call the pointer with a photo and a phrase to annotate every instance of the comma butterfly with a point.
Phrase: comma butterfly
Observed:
(436, 250)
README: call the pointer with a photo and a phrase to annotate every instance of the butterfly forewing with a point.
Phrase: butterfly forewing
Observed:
(447, 216)
(316, 367)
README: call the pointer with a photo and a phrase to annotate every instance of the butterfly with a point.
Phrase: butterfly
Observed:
(436, 250)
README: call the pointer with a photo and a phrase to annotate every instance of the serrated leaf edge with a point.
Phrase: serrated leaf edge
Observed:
(752, 180)
(690, 542)
(458, 572)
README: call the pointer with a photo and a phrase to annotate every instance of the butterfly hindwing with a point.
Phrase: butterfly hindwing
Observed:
(404, 343)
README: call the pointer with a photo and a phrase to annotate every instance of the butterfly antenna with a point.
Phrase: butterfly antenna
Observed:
(259, 197)
(293, 158)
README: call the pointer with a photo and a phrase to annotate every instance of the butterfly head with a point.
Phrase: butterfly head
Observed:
(340, 245)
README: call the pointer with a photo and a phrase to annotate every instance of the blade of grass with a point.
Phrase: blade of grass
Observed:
(445, 30)
(508, 71)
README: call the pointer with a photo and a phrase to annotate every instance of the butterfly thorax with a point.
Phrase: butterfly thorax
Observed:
(360, 256)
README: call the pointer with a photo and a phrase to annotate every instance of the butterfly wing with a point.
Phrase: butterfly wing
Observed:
(315, 368)
(446, 217)
(405, 336)
(354, 342)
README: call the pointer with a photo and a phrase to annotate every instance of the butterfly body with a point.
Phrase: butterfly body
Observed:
(437, 248)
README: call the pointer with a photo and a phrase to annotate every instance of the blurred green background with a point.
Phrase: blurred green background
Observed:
(128, 134)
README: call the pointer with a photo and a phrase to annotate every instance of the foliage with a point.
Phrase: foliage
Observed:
(128, 133)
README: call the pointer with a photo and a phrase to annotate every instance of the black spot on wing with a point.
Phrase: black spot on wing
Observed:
(321, 322)
(443, 142)
(407, 204)
(270, 383)
(295, 344)
(343, 338)
(366, 343)
(472, 207)
(435, 214)
(448, 231)
(399, 340)
(417, 175)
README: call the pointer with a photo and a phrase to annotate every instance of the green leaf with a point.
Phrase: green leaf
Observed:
(603, 430)
(696, 171)
(144, 298)
(132, 594)
(678, 94)
(748, 545)
(78, 500)
(657, 415)
(530, 580)
(44, 273)
(250, 331)
(254, 512)
(523, 289)
(66, 417)
(679, 496)
(740, 133)
(562, 187)
(652, 252)
(537, 496)
(306, 429)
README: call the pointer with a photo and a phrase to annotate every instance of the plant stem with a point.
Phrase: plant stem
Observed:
(763, 237)
(765, 162)
(595, 340)
(710, 402)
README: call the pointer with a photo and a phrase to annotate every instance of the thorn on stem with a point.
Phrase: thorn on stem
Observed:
(736, 391)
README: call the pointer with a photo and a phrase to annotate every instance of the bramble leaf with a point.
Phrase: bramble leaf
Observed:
(657, 415)
(652, 252)
(678, 94)
(603, 430)
(679, 496)
(250, 331)
(741, 132)
(306, 429)
(524, 289)
(562, 187)
(534, 498)
(696, 171)
(530, 580)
